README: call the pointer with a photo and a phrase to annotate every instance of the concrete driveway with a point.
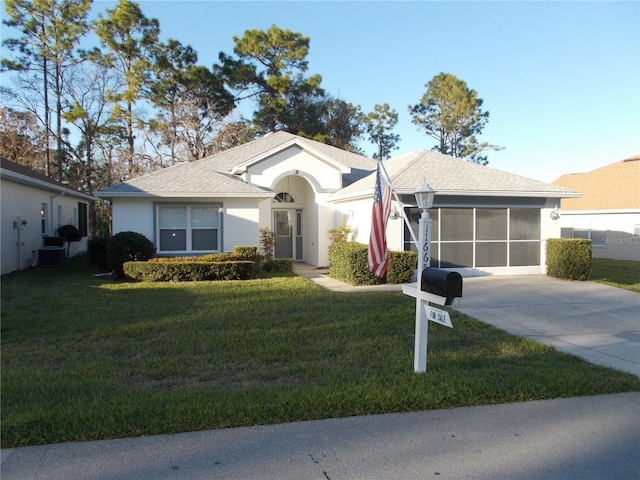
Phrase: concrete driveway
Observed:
(598, 323)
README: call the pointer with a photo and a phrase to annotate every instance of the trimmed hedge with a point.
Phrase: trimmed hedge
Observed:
(401, 266)
(348, 263)
(569, 258)
(189, 271)
(280, 265)
(248, 252)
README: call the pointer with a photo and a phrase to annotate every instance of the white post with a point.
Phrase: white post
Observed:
(422, 322)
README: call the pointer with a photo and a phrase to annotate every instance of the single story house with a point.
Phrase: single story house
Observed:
(608, 213)
(33, 207)
(485, 221)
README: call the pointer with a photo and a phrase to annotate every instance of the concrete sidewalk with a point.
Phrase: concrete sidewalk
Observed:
(587, 438)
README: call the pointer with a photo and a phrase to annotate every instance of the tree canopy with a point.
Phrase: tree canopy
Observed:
(451, 113)
(135, 103)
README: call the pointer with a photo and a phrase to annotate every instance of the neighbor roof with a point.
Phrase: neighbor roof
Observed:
(213, 175)
(614, 186)
(24, 175)
(453, 176)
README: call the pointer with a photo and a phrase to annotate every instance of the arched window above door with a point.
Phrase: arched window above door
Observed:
(283, 197)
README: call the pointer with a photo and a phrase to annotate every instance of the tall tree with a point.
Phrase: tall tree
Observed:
(22, 138)
(270, 67)
(344, 125)
(51, 30)
(129, 38)
(90, 112)
(451, 112)
(191, 101)
(379, 124)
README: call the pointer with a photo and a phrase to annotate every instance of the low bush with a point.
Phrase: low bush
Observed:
(569, 258)
(247, 252)
(210, 257)
(348, 263)
(187, 271)
(128, 247)
(277, 266)
(401, 266)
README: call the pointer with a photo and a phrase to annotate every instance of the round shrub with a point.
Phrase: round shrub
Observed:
(70, 233)
(128, 247)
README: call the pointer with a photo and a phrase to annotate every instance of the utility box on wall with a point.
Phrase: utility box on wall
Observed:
(52, 257)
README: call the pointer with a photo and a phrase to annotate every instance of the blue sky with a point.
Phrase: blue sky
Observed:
(561, 80)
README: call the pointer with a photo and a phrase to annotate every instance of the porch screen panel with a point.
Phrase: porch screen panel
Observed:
(524, 254)
(204, 228)
(524, 237)
(413, 214)
(491, 237)
(524, 224)
(456, 237)
(491, 254)
(172, 225)
(491, 224)
(453, 255)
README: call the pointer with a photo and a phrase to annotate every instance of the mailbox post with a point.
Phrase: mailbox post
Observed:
(424, 199)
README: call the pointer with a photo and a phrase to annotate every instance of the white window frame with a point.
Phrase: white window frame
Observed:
(189, 229)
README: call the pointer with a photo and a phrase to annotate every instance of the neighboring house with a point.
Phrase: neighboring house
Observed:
(33, 207)
(609, 211)
(485, 221)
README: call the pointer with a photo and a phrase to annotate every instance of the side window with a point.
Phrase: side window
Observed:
(83, 220)
(43, 219)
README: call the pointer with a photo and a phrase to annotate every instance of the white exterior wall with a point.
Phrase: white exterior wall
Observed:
(133, 215)
(240, 223)
(240, 218)
(25, 201)
(621, 230)
(294, 161)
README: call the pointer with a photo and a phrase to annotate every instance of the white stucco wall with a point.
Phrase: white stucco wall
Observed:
(295, 161)
(133, 215)
(25, 201)
(240, 218)
(240, 223)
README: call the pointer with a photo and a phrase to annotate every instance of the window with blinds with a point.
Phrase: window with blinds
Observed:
(187, 228)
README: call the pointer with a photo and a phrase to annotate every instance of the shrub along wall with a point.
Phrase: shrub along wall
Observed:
(348, 263)
(569, 258)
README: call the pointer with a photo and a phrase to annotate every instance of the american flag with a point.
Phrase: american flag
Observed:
(378, 256)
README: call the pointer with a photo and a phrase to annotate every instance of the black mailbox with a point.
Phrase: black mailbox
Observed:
(442, 283)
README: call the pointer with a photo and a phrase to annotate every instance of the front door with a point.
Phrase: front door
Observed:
(288, 229)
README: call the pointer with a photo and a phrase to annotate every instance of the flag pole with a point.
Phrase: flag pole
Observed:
(404, 215)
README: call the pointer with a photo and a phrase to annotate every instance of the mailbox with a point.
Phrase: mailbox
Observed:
(442, 283)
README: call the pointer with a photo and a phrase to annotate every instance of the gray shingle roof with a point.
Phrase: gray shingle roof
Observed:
(185, 179)
(453, 176)
(211, 176)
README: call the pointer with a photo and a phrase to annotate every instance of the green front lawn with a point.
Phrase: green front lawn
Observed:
(87, 358)
(617, 273)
